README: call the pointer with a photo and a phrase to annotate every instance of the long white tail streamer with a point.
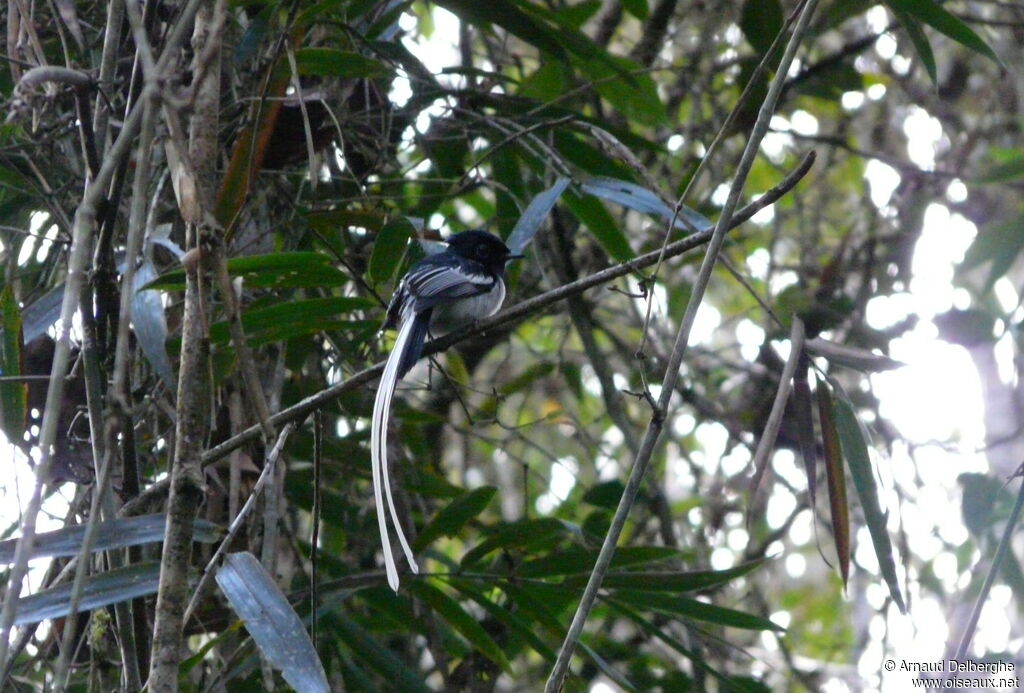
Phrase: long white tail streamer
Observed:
(379, 452)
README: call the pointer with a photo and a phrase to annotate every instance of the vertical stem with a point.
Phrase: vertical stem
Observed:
(193, 403)
(85, 220)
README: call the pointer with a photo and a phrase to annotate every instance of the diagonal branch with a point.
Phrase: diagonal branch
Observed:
(658, 416)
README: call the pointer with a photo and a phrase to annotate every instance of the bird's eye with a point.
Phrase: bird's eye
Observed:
(483, 252)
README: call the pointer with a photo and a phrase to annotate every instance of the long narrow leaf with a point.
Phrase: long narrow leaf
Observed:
(836, 479)
(855, 450)
(450, 519)
(273, 624)
(805, 429)
(633, 196)
(531, 219)
(388, 249)
(294, 269)
(113, 534)
(376, 655)
(511, 620)
(517, 535)
(919, 41)
(934, 15)
(98, 590)
(459, 619)
(686, 607)
(677, 581)
(579, 561)
(13, 394)
(698, 660)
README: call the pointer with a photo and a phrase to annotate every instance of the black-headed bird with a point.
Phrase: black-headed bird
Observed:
(462, 284)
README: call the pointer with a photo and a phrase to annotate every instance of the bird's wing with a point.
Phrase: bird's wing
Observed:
(431, 284)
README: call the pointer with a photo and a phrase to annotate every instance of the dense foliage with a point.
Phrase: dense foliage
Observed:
(265, 169)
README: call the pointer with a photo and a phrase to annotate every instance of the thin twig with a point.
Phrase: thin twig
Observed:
(266, 476)
(993, 570)
(766, 444)
(658, 416)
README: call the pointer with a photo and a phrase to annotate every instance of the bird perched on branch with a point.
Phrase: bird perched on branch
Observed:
(462, 284)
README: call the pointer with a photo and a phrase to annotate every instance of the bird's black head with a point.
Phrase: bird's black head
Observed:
(483, 247)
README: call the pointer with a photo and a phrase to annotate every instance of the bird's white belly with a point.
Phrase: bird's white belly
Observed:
(448, 316)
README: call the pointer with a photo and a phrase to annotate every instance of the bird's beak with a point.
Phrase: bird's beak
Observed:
(517, 256)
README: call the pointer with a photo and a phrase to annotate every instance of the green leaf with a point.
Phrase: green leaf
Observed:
(605, 494)
(637, 8)
(458, 618)
(331, 62)
(13, 394)
(835, 476)
(591, 212)
(919, 40)
(999, 243)
(637, 98)
(290, 319)
(376, 654)
(577, 560)
(510, 18)
(931, 13)
(288, 270)
(695, 657)
(516, 535)
(855, 450)
(1011, 169)
(451, 518)
(511, 620)
(677, 581)
(388, 249)
(695, 609)
(761, 21)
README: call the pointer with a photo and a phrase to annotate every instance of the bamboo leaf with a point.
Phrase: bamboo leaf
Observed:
(388, 249)
(516, 535)
(919, 41)
(284, 270)
(686, 607)
(13, 394)
(531, 219)
(458, 618)
(934, 15)
(676, 581)
(112, 534)
(377, 655)
(451, 518)
(331, 62)
(855, 451)
(511, 620)
(271, 621)
(633, 196)
(510, 18)
(601, 224)
(101, 589)
(290, 318)
(835, 477)
(578, 560)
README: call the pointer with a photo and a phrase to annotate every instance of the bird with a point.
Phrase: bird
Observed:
(460, 285)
